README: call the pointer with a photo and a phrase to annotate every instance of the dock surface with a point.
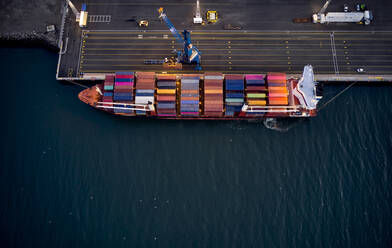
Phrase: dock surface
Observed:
(112, 42)
(234, 52)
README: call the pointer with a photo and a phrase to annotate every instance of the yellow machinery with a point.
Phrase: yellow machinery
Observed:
(212, 16)
(143, 23)
(171, 64)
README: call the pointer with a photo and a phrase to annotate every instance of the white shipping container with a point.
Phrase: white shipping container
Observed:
(213, 77)
(344, 17)
(144, 99)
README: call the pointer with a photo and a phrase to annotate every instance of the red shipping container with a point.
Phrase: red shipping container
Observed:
(123, 90)
(213, 109)
(124, 76)
(213, 96)
(213, 114)
(213, 81)
(234, 76)
(256, 88)
(169, 98)
(167, 111)
(123, 87)
(109, 78)
(189, 98)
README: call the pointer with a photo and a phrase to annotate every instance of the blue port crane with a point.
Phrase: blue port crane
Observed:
(190, 54)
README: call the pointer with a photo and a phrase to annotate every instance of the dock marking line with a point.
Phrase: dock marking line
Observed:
(80, 53)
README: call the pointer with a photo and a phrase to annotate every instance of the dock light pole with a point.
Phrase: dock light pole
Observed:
(81, 17)
(197, 19)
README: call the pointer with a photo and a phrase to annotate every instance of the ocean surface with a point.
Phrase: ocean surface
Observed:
(72, 176)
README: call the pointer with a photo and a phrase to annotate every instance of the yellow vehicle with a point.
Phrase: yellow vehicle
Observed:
(143, 23)
(212, 16)
(171, 64)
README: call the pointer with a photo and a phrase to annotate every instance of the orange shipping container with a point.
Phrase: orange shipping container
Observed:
(166, 77)
(278, 101)
(277, 94)
(278, 89)
(257, 102)
(150, 75)
(213, 102)
(213, 91)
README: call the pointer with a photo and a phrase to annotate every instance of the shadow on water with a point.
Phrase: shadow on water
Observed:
(281, 125)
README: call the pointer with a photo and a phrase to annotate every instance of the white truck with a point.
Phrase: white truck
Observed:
(358, 17)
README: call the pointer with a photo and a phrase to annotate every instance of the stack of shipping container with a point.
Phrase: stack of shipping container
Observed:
(213, 94)
(123, 91)
(166, 95)
(108, 87)
(277, 89)
(190, 97)
(145, 89)
(255, 91)
(234, 93)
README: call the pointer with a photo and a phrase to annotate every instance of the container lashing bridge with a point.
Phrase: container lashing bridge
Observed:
(190, 53)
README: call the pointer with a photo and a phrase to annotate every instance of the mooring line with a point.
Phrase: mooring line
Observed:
(333, 98)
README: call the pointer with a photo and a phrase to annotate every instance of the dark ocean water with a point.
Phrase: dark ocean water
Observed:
(72, 176)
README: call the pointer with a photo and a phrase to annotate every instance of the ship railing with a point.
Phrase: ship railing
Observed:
(132, 106)
(271, 109)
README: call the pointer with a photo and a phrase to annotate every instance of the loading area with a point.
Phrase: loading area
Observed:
(236, 52)
(112, 41)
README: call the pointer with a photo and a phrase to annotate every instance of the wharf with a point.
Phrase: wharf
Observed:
(119, 45)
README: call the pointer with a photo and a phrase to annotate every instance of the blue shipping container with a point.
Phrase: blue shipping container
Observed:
(124, 80)
(189, 102)
(166, 87)
(234, 87)
(122, 98)
(166, 83)
(145, 91)
(144, 94)
(124, 73)
(234, 95)
(166, 105)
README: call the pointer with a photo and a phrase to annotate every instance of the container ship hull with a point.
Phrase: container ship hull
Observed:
(208, 96)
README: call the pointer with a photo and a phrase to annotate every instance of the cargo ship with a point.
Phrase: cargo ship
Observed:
(207, 96)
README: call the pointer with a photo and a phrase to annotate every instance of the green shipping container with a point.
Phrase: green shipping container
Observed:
(108, 87)
(255, 95)
(234, 100)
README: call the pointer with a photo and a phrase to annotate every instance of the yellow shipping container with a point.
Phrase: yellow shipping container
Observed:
(166, 91)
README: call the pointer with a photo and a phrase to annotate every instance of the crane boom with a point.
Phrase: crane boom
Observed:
(170, 25)
(324, 8)
(74, 10)
(190, 54)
